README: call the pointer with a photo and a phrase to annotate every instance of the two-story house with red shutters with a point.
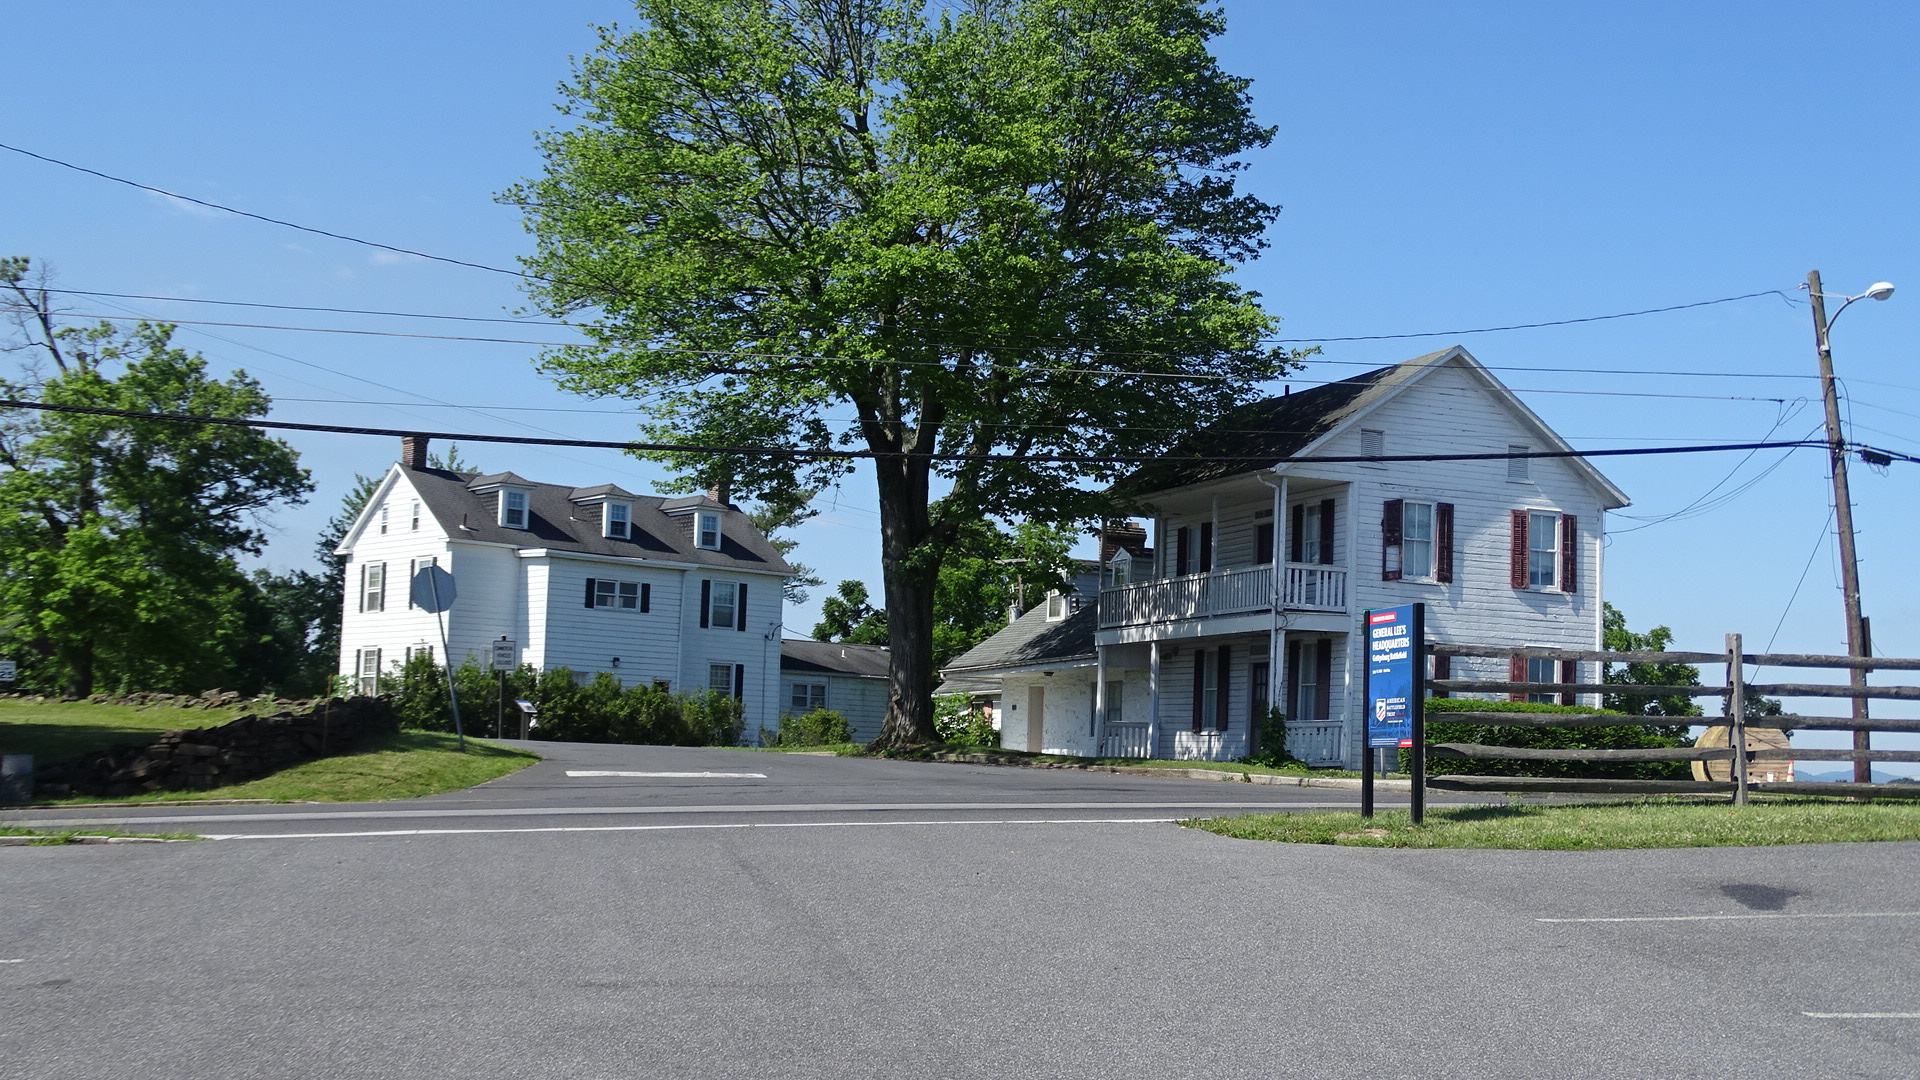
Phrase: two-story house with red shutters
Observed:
(1273, 531)
(684, 591)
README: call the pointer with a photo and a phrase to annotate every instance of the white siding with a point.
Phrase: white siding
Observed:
(588, 639)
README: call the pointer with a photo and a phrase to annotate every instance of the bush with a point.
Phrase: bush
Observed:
(600, 710)
(1273, 742)
(821, 727)
(959, 723)
(1611, 737)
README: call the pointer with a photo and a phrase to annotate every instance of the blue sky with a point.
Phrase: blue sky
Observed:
(1442, 167)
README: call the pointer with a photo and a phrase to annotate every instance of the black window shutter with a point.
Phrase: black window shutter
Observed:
(1220, 696)
(1297, 534)
(590, 584)
(1182, 557)
(1326, 531)
(363, 587)
(646, 596)
(1569, 553)
(1293, 681)
(706, 601)
(740, 607)
(382, 605)
(1263, 542)
(1323, 670)
(739, 682)
(1443, 543)
(1199, 685)
(1390, 532)
(1206, 546)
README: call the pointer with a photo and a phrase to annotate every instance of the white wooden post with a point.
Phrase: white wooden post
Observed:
(1099, 698)
(1153, 699)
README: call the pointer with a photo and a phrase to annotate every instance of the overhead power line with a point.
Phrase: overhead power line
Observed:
(806, 454)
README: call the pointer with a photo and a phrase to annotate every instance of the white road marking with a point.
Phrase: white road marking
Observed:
(22, 960)
(1760, 915)
(1863, 1016)
(677, 775)
(673, 828)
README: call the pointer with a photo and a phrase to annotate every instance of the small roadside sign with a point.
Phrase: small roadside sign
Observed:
(8, 671)
(506, 654)
(1390, 654)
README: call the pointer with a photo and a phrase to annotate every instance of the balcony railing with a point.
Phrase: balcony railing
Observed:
(1319, 743)
(1306, 587)
(1127, 740)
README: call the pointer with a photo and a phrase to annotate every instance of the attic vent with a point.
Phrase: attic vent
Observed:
(1518, 467)
(1373, 443)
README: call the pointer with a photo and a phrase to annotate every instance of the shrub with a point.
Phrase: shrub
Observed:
(821, 727)
(958, 722)
(599, 710)
(712, 719)
(1273, 742)
(1610, 737)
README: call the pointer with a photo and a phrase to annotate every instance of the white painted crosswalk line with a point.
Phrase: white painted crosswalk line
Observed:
(670, 775)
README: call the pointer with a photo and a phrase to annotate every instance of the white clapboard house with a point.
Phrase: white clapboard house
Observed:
(1258, 571)
(684, 592)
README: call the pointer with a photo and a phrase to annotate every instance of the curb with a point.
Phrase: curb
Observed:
(26, 841)
(1269, 779)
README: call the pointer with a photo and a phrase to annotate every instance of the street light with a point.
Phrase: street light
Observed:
(1857, 644)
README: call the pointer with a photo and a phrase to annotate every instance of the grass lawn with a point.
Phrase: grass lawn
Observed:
(55, 731)
(1651, 823)
(403, 766)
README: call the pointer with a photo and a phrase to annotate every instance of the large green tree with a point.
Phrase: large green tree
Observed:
(119, 538)
(970, 240)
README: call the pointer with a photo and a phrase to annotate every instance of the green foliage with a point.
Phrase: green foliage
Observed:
(957, 722)
(1610, 737)
(1273, 742)
(847, 616)
(1619, 639)
(119, 538)
(599, 710)
(821, 727)
(990, 232)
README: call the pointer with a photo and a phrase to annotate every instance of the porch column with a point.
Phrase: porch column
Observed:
(1099, 698)
(1153, 699)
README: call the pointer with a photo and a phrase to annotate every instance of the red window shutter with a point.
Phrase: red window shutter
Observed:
(1569, 672)
(740, 607)
(1442, 669)
(1199, 685)
(1569, 553)
(1220, 715)
(1443, 543)
(1326, 532)
(1390, 532)
(706, 601)
(1519, 551)
(1517, 672)
(1296, 534)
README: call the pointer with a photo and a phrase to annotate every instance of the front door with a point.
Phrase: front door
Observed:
(1036, 719)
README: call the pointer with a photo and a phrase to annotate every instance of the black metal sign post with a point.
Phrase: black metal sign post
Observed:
(1366, 723)
(1418, 756)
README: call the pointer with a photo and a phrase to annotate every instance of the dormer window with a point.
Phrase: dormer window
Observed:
(1056, 606)
(1120, 568)
(707, 530)
(513, 509)
(618, 522)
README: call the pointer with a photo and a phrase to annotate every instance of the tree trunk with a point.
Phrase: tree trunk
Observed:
(79, 665)
(909, 566)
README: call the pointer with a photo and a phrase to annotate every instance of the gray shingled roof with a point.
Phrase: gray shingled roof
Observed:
(1031, 639)
(833, 657)
(553, 523)
(1270, 430)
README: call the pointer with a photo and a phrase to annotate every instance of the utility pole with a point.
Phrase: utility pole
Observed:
(1843, 521)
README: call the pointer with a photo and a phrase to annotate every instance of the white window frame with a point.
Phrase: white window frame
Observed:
(1310, 533)
(806, 697)
(731, 590)
(413, 567)
(1210, 691)
(512, 501)
(720, 678)
(1119, 568)
(373, 586)
(366, 664)
(620, 514)
(1306, 684)
(416, 515)
(1116, 698)
(706, 530)
(383, 519)
(1546, 671)
(1057, 607)
(418, 650)
(616, 595)
(1547, 580)
(1410, 510)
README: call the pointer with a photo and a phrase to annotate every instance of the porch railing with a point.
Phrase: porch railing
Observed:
(1319, 743)
(1305, 587)
(1129, 740)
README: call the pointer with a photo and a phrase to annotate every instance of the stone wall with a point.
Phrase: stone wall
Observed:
(243, 749)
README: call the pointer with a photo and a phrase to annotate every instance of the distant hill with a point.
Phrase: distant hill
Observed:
(1845, 776)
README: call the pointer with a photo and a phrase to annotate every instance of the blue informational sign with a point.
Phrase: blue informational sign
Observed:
(1391, 653)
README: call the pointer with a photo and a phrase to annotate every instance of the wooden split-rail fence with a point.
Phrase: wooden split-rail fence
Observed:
(1746, 762)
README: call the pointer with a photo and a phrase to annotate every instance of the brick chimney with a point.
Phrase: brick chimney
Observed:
(721, 492)
(1121, 534)
(413, 451)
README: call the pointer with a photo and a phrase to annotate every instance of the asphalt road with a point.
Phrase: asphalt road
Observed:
(858, 943)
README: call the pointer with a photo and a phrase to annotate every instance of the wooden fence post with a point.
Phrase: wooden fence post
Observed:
(1737, 716)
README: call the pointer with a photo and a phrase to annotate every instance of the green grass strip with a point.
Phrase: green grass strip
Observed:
(57, 837)
(1649, 823)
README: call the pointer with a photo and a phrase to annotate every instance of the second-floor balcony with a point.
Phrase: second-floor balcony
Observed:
(1241, 591)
